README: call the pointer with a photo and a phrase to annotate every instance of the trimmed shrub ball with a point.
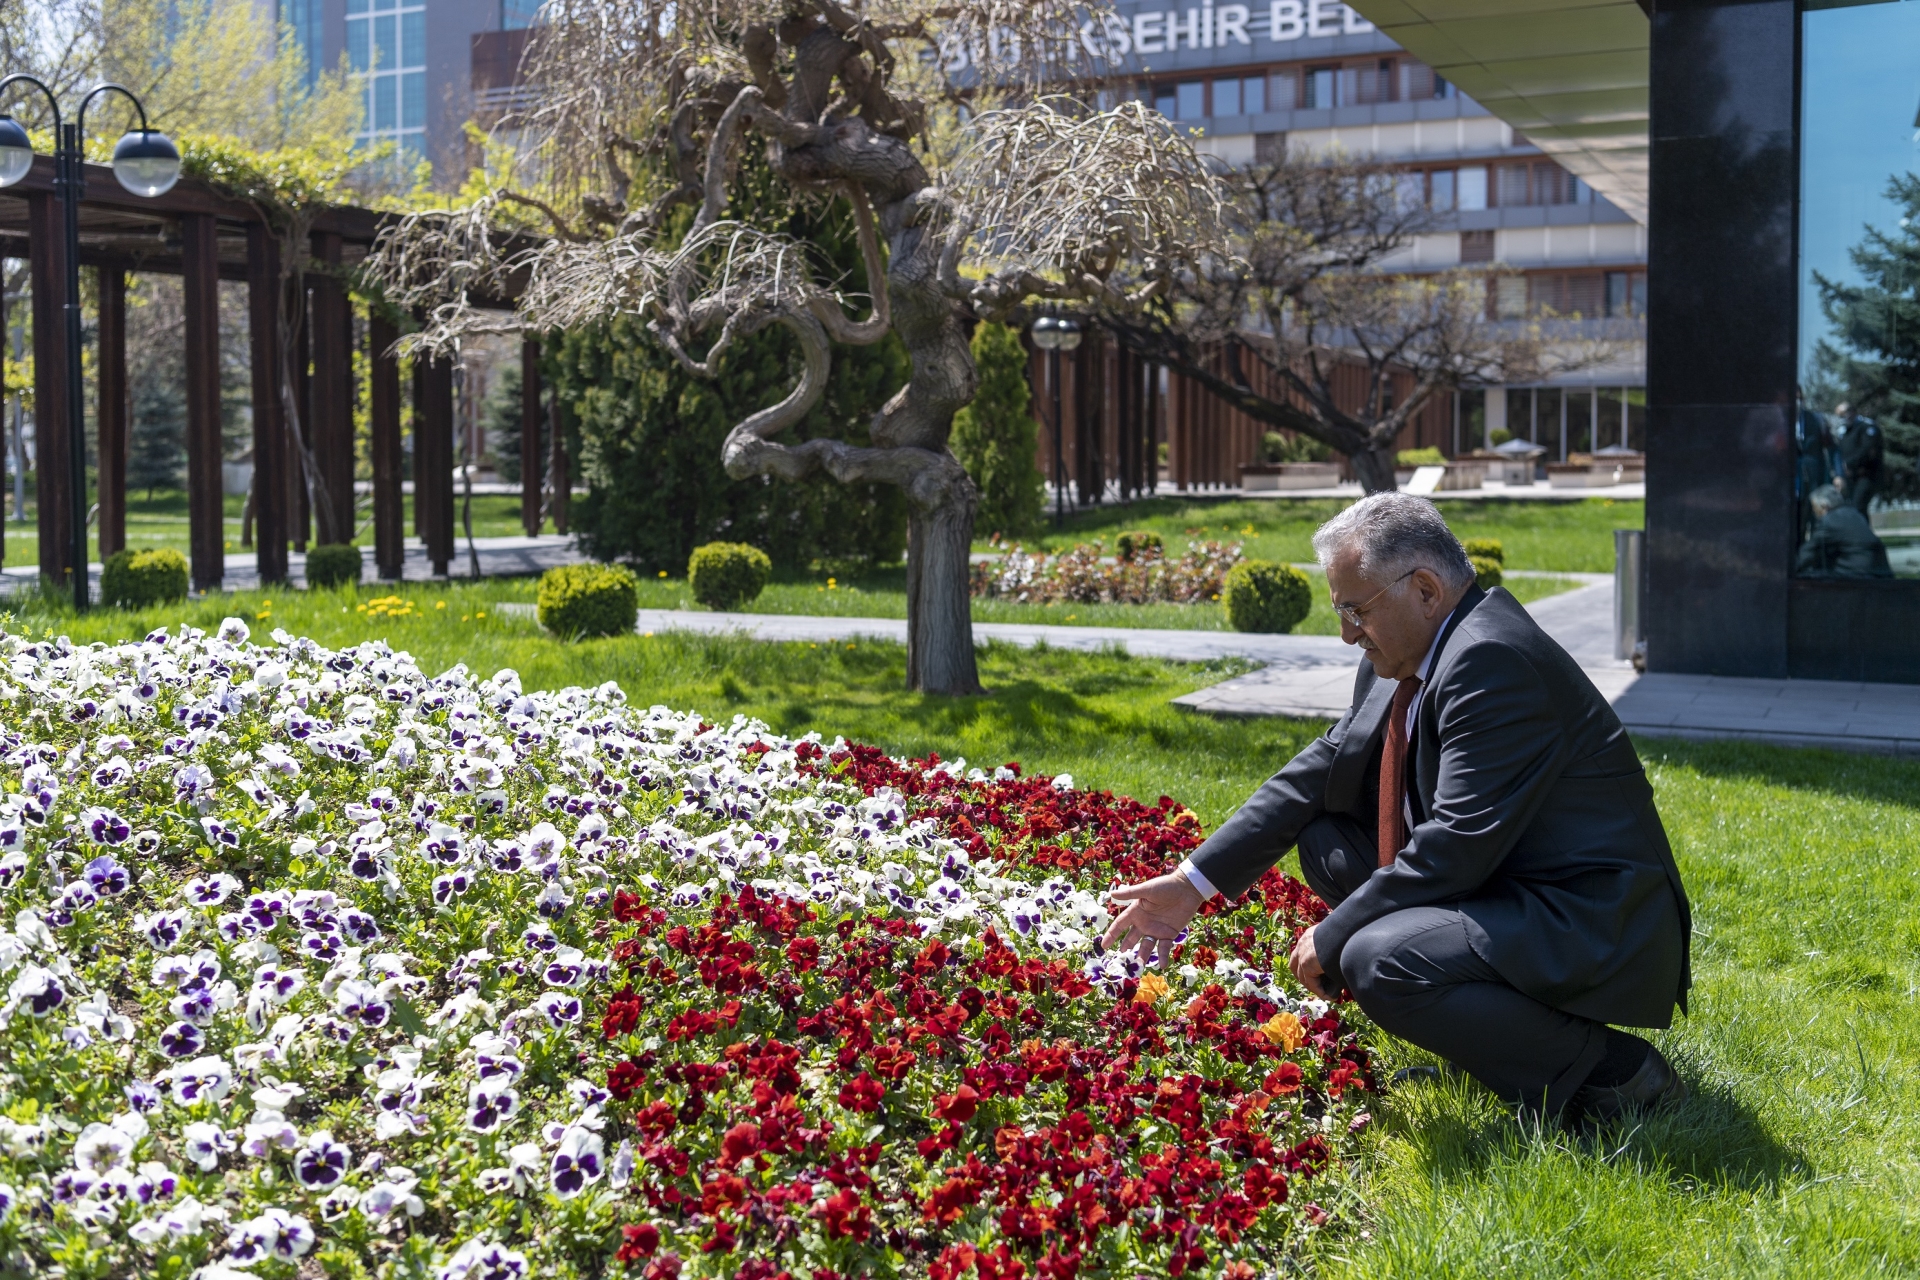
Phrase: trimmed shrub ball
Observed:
(1487, 573)
(333, 564)
(1261, 595)
(1139, 542)
(1485, 549)
(725, 575)
(136, 579)
(578, 600)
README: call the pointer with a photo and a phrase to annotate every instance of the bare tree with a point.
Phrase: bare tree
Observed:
(644, 109)
(1307, 291)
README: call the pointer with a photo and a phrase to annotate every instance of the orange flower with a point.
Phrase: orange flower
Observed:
(1153, 989)
(1284, 1030)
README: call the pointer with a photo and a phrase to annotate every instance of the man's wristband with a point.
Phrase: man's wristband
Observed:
(1201, 885)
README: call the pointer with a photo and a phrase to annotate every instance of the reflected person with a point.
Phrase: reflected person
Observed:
(1842, 543)
(1502, 887)
(1863, 451)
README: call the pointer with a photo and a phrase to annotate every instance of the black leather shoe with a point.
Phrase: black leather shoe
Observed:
(1655, 1086)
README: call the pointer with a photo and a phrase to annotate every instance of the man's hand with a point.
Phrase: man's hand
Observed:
(1156, 911)
(1306, 966)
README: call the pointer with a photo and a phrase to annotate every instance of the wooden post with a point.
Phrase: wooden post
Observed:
(48, 265)
(331, 433)
(433, 459)
(206, 506)
(113, 410)
(530, 436)
(389, 516)
(557, 478)
(271, 485)
(300, 431)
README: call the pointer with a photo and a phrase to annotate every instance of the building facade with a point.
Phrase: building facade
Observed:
(1254, 80)
(426, 66)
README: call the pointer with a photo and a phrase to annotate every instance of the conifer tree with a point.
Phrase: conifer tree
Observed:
(995, 438)
(1872, 360)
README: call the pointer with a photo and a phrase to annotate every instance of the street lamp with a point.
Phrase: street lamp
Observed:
(148, 164)
(1054, 334)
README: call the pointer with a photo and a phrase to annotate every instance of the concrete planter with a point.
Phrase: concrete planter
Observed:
(1260, 477)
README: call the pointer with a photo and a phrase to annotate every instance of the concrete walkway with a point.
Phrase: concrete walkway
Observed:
(1312, 676)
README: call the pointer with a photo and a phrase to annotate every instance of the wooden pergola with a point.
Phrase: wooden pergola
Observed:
(205, 236)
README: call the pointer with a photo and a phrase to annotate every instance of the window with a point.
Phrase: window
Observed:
(515, 14)
(1283, 90)
(1440, 189)
(1568, 293)
(387, 51)
(1319, 89)
(1192, 99)
(1419, 82)
(1473, 188)
(1539, 182)
(1226, 97)
(1373, 82)
(1165, 103)
(1626, 293)
(1477, 246)
(1253, 95)
(1510, 296)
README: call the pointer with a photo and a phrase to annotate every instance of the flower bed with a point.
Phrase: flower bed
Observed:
(314, 964)
(1085, 575)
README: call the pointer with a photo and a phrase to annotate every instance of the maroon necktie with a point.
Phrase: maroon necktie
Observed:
(1393, 774)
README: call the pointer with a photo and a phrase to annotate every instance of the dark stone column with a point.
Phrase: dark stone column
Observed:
(559, 482)
(271, 453)
(206, 507)
(300, 431)
(530, 436)
(331, 433)
(47, 251)
(389, 516)
(433, 459)
(1722, 304)
(113, 410)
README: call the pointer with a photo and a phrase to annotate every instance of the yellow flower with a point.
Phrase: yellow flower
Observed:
(481, 614)
(1284, 1030)
(439, 604)
(1152, 990)
(663, 573)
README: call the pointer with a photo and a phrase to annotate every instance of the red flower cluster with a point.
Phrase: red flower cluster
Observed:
(801, 1092)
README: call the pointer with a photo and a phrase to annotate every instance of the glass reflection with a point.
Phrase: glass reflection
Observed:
(1857, 432)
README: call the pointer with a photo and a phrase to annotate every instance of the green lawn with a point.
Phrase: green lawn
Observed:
(1562, 537)
(160, 520)
(1800, 1153)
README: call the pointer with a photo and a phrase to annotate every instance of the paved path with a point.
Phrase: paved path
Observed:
(499, 558)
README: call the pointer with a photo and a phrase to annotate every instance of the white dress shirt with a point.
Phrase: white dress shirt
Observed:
(1204, 887)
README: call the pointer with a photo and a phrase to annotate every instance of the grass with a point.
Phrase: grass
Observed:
(882, 593)
(1560, 537)
(1800, 1153)
(160, 520)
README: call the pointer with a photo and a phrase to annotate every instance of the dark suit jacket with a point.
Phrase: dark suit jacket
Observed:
(1843, 545)
(1532, 816)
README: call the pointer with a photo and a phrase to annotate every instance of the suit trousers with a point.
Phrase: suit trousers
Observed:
(1416, 974)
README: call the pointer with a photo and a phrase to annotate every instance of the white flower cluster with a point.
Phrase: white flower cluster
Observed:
(287, 924)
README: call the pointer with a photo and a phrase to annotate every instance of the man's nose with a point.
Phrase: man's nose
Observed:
(1351, 633)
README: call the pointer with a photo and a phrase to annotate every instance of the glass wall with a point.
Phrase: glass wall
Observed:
(1857, 430)
(387, 52)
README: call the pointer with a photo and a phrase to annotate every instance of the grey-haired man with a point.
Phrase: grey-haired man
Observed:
(1501, 885)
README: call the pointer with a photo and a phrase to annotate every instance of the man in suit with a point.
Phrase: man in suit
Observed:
(1863, 451)
(1842, 544)
(1500, 883)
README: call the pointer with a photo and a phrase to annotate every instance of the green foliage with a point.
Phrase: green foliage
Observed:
(996, 438)
(333, 564)
(1873, 360)
(500, 414)
(1277, 447)
(725, 575)
(1498, 436)
(1262, 595)
(1487, 573)
(135, 579)
(579, 600)
(650, 434)
(1137, 541)
(1485, 549)
(1427, 457)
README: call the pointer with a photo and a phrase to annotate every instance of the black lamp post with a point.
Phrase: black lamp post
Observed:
(1054, 334)
(147, 164)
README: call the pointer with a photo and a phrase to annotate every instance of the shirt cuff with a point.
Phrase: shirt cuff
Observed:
(1201, 885)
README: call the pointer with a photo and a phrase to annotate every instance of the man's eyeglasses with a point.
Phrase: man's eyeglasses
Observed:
(1354, 615)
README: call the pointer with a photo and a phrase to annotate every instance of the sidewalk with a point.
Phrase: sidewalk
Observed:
(505, 557)
(1312, 676)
